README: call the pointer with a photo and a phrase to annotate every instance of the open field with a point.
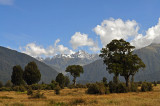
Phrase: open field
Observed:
(73, 97)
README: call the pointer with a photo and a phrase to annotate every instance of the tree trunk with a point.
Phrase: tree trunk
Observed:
(74, 81)
(127, 81)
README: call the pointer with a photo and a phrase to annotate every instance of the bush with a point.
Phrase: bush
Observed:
(5, 89)
(38, 95)
(29, 91)
(97, 88)
(57, 90)
(117, 88)
(36, 86)
(19, 88)
(155, 83)
(134, 87)
(146, 86)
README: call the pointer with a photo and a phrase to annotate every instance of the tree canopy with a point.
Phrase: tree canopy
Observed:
(17, 75)
(31, 73)
(120, 60)
(75, 71)
(61, 80)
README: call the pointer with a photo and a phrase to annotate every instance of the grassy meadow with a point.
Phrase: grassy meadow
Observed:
(77, 96)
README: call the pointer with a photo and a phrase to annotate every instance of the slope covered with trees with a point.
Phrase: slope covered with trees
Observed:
(10, 58)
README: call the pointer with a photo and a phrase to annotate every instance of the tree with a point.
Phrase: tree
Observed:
(31, 73)
(17, 75)
(60, 79)
(75, 71)
(67, 81)
(120, 60)
(111, 55)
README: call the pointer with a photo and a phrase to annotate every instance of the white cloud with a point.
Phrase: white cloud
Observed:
(6, 2)
(80, 40)
(116, 29)
(36, 50)
(152, 36)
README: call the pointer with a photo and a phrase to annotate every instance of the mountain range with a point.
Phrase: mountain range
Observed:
(61, 61)
(94, 69)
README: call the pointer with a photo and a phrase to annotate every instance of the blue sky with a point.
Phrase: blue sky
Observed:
(49, 27)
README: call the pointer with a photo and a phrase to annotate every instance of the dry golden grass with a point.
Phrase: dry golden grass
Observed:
(73, 97)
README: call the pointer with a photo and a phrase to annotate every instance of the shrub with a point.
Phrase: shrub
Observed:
(146, 86)
(38, 95)
(112, 87)
(36, 86)
(155, 83)
(134, 87)
(121, 88)
(19, 88)
(57, 90)
(96, 88)
(5, 89)
(29, 91)
(117, 88)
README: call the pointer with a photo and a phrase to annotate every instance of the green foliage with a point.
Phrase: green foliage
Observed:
(104, 80)
(118, 57)
(19, 88)
(67, 81)
(75, 71)
(37, 95)
(61, 80)
(1, 84)
(17, 75)
(117, 88)
(134, 87)
(96, 88)
(8, 84)
(36, 86)
(146, 86)
(57, 90)
(31, 74)
(29, 91)
(155, 83)
(5, 89)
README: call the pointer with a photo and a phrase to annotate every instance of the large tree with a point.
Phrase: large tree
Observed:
(31, 73)
(17, 75)
(75, 71)
(120, 60)
(61, 80)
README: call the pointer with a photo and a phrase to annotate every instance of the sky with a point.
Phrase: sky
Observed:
(49, 27)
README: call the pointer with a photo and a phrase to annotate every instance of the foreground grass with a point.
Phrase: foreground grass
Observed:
(74, 97)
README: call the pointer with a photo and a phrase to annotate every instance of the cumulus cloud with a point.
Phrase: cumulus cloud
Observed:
(152, 36)
(35, 50)
(116, 29)
(6, 2)
(80, 40)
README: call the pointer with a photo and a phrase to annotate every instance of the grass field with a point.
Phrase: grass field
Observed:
(78, 97)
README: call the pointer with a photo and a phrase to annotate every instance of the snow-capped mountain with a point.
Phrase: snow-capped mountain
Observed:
(61, 61)
(80, 54)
